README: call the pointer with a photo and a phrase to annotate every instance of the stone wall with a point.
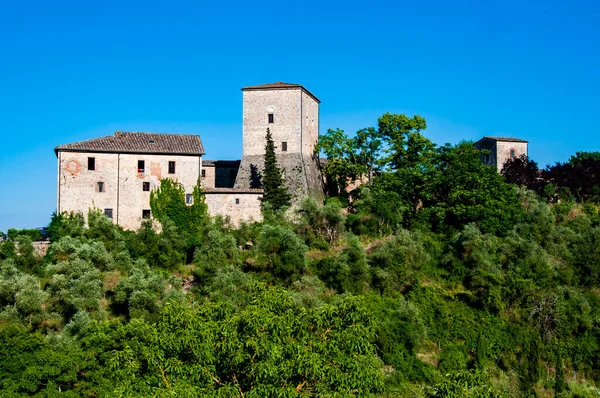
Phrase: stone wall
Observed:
(122, 182)
(286, 127)
(503, 151)
(238, 205)
(295, 122)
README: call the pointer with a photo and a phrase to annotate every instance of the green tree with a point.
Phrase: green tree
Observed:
(275, 194)
(168, 202)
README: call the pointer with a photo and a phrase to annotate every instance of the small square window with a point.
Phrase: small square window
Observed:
(203, 173)
(91, 163)
(145, 186)
(108, 213)
(271, 118)
(141, 166)
(284, 146)
(237, 201)
(145, 213)
(189, 198)
(100, 186)
(171, 167)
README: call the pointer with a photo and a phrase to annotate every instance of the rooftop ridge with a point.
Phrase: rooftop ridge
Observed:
(280, 85)
(139, 142)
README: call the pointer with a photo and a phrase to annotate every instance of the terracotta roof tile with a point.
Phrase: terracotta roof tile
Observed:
(506, 139)
(125, 142)
(273, 85)
(280, 85)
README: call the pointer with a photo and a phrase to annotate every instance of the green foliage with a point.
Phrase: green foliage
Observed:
(66, 224)
(33, 234)
(465, 384)
(435, 278)
(395, 264)
(281, 252)
(275, 194)
(322, 222)
(167, 202)
(349, 159)
(466, 191)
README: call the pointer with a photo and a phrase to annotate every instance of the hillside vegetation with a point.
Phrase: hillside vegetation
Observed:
(435, 278)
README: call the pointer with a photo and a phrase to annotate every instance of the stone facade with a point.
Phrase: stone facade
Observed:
(292, 115)
(239, 205)
(123, 184)
(117, 186)
(501, 149)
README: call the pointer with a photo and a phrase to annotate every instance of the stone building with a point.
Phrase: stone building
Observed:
(116, 173)
(501, 149)
(291, 112)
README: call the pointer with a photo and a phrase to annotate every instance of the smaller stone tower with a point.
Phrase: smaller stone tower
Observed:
(291, 112)
(501, 149)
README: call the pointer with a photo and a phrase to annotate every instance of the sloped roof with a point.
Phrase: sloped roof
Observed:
(135, 142)
(505, 139)
(279, 86)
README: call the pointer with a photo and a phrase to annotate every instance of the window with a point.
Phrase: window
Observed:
(141, 166)
(171, 167)
(237, 201)
(91, 163)
(100, 186)
(146, 213)
(108, 213)
(271, 118)
(203, 173)
(189, 198)
(145, 186)
(284, 146)
(512, 153)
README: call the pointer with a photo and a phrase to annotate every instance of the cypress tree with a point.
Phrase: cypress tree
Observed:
(276, 194)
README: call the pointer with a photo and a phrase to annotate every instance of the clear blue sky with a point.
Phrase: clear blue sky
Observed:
(76, 70)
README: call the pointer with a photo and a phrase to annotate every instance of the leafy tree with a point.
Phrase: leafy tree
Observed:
(267, 348)
(168, 202)
(349, 159)
(66, 224)
(466, 191)
(281, 252)
(275, 193)
(326, 222)
(522, 171)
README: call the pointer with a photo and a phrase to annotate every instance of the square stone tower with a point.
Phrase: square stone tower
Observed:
(501, 149)
(291, 113)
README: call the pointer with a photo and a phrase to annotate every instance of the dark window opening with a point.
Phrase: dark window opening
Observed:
(512, 153)
(146, 186)
(91, 163)
(203, 173)
(237, 201)
(171, 167)
(141, 166)
(189, 198)
(100, 186)
(145, 213)
(271, 118)
(284, 146)
(108, 213)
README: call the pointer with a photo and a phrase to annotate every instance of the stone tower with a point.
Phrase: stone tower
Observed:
(291, 113)
(501, 149)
